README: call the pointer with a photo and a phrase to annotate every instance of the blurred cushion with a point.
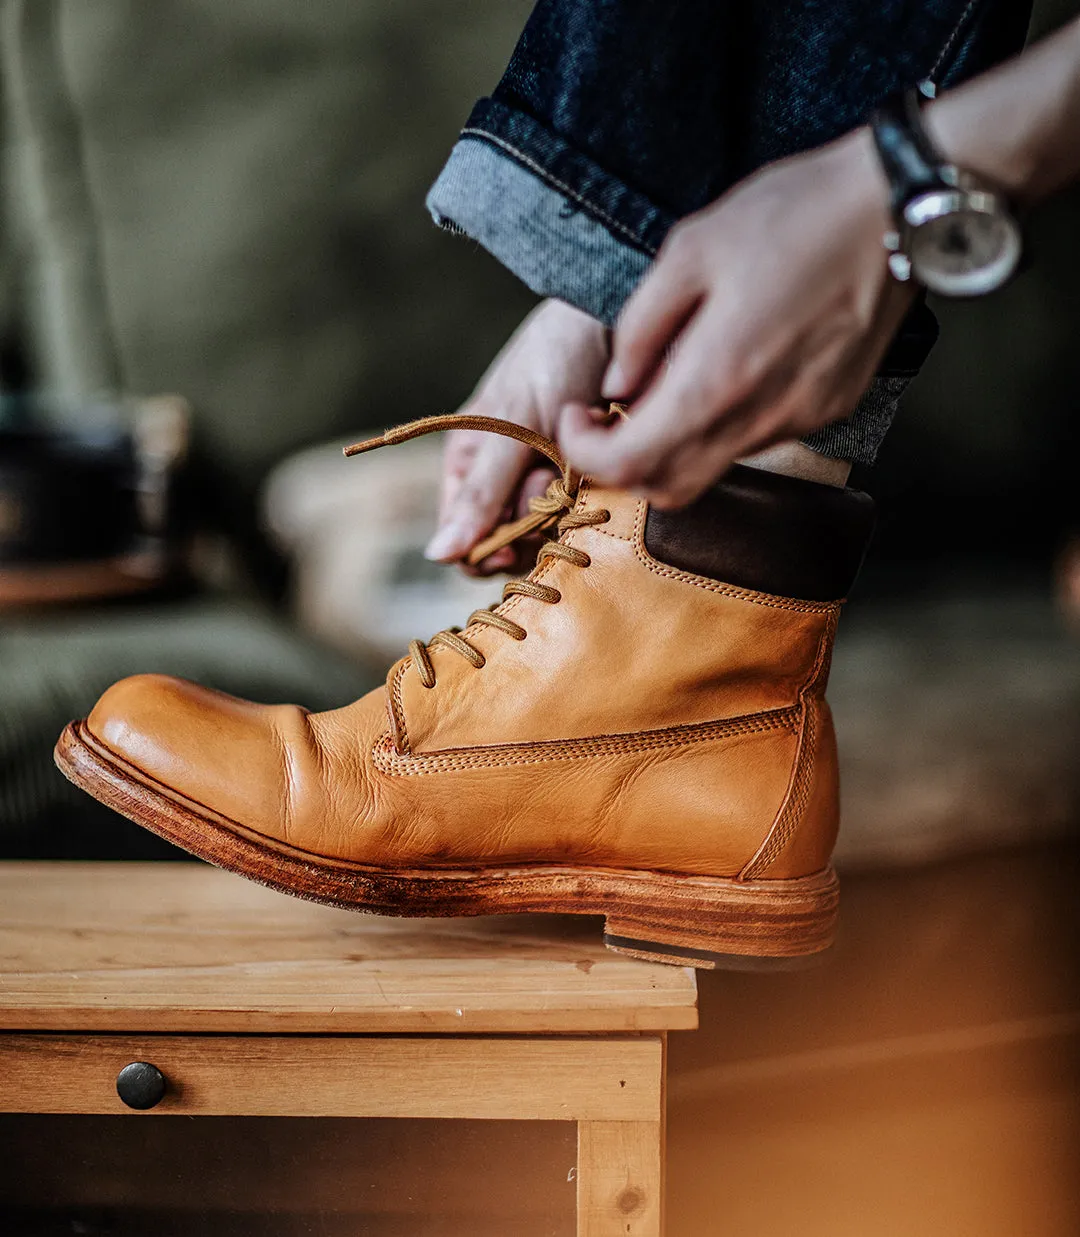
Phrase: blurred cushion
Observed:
(355, 531)
(53, 668)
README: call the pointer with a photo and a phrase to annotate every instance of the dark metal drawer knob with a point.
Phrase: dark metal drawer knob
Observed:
(140, 1084)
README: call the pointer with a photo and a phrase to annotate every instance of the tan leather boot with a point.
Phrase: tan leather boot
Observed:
(638, 730)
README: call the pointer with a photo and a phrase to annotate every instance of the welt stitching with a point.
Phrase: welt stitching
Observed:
(554, 181)
(725, 590)
(387, 761)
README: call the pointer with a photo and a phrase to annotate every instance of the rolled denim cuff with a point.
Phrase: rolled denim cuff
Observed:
(539, 227)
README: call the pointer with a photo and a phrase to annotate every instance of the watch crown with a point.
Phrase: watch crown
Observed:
(900, 266)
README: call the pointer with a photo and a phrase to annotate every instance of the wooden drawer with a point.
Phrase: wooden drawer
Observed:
(557, 1078)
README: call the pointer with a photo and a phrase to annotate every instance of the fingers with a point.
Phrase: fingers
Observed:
(653, 317)
(504, 560)
(521, 555)
(477, 498)
(684, 411)
(458, 454)
(534, 485)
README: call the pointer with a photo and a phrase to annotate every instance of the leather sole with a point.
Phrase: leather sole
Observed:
(698, 921)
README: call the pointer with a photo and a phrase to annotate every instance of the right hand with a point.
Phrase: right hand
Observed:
(557, 356)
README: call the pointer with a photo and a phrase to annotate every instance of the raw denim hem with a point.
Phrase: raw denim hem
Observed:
(537, 226)
(631, 215)
(858, 438)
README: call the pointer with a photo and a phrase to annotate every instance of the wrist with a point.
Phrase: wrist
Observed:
(866, 182)
(1016, 126)
(996, 157)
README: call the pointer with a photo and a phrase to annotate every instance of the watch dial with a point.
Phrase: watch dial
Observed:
(966, 252)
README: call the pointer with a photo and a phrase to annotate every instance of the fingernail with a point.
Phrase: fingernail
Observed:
(450, 541)
(614, 384)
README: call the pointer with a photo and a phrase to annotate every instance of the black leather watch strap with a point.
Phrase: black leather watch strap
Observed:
(910, 161)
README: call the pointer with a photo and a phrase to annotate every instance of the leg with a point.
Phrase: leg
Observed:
(620, 1173)
(619, 1178)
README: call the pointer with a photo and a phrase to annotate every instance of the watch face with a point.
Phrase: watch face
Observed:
(962, 244)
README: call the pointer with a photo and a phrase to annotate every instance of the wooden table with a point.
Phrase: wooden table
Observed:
(253, 1004)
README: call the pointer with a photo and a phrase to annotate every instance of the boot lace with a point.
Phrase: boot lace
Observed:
(552, 515)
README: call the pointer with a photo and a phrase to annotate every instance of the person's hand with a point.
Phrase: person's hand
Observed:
(762, 318)
(557, 356)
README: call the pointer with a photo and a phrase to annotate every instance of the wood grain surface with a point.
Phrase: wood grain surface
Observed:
(183, 947)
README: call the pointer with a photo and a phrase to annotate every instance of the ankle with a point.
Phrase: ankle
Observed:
(793, 459)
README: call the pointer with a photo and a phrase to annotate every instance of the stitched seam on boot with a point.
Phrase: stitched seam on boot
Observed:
(726, 590)
(585, 491)
(387, 760)
(794, 801)
(613, 536)
(791, 810)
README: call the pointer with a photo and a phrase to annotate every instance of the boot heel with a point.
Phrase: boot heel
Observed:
(728, 924)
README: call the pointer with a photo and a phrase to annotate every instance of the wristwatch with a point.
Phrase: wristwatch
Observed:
(955, 234)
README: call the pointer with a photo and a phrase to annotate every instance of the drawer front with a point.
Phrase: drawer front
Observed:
(572, 1079)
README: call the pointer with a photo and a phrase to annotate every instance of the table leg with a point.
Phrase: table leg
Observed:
(619, 1178)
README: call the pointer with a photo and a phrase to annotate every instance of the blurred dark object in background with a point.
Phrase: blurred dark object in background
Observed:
(88, 509)
(226, 202)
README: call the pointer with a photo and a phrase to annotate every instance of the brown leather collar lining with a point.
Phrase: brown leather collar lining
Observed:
(768, 533)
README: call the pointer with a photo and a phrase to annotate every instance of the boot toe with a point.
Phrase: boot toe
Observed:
(215, 750)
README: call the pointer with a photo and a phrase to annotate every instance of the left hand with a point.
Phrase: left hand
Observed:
(772, 308)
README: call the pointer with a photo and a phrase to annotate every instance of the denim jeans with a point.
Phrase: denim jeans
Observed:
(615, 118)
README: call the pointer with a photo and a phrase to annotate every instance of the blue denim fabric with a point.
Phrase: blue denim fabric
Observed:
(615, 118)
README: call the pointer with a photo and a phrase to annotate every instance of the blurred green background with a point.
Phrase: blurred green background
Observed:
(225, 201)
(255, 177)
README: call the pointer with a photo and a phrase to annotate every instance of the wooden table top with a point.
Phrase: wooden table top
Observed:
(183, 947)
